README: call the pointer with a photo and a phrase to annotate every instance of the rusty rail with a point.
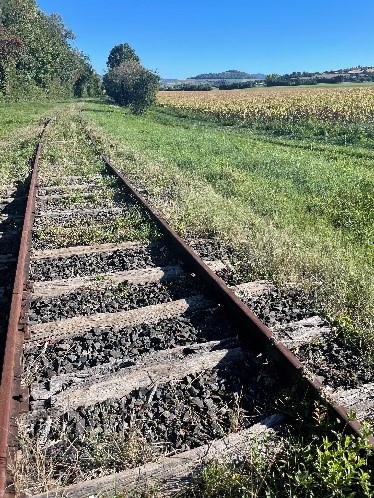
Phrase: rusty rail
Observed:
(10, 386)
(253, 332)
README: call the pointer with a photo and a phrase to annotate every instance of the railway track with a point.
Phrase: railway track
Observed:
(139, 362)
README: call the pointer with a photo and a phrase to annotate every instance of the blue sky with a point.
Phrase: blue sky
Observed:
(185, 38)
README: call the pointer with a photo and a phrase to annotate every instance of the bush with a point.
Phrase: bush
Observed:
(131, 85)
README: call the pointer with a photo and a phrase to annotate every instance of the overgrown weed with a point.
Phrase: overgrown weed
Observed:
(316, 459)
(131, 226)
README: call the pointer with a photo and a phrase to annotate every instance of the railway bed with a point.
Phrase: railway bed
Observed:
(139, 361)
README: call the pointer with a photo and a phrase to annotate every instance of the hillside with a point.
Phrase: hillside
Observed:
(230, 74)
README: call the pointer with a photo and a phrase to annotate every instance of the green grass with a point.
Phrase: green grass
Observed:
(17, 115)
(20, 126)
(67, 151)
(308, 132)
(336, 467)
(295, 210)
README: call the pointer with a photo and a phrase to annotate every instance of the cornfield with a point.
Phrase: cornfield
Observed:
(338, 105)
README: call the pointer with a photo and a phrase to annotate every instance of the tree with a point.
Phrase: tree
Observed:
(121, 53)
(10, 49)
(36, 58)
(128, 83)
(87, 82)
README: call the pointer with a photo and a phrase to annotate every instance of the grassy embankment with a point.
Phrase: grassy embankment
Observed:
(295, 211)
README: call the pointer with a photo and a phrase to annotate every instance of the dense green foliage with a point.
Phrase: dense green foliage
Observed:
(237, 85)
(121, 53)
(87, 83)
(207, 87)
(36, 57)
(127, 82)
(188, 87)
(296, 79)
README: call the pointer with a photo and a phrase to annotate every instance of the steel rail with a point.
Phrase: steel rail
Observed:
(10, 388)
(253, 332)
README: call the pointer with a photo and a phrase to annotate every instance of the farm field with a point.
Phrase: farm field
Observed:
(348, 111)
(342, 105)
(295, 210)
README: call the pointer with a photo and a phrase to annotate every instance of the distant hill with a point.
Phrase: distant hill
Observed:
(230, 74)
(234, 79)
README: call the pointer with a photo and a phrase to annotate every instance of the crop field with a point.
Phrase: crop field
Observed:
(337, 105)
(339, 115)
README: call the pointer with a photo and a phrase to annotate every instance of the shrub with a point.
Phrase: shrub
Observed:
(131, 85)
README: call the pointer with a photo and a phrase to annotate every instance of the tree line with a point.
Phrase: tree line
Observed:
(36, 58)
(38, 61)
(298, 78)
(231, 74)
(207, 87)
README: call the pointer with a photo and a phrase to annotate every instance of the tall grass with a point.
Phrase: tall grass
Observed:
(295, 211)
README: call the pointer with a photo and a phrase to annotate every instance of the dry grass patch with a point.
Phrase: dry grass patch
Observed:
(39, 466)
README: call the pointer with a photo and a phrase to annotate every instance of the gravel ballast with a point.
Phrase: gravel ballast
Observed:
(156, 254)
(121, 346)
(171, 418)
(111, 299)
